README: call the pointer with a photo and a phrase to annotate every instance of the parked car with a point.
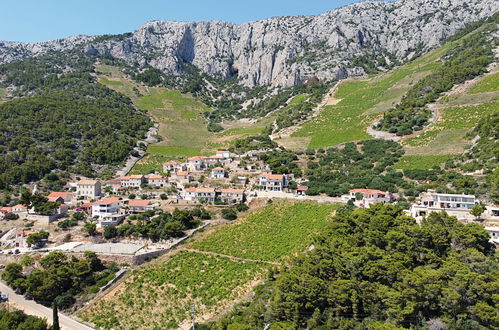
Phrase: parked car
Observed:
(4, 297)
(2, 266)
(17, 251)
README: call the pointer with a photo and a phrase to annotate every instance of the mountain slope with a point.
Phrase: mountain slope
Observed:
(287, 50)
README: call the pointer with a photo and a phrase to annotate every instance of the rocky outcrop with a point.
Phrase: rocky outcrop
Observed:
(285, 50)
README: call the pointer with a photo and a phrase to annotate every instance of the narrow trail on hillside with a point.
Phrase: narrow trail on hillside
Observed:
(328, 99)
(435, 107)
(215, 254)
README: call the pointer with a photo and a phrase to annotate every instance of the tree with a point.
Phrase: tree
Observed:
(110, 232)
(36, 238)
(90, 228)
(55, 316)
(477, 210)
(163, 196)
(229, 214)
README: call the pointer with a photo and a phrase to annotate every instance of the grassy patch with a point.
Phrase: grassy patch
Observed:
(421, 162)
(150, 164)
(452, 127)
(173, 151)
(109, 82)
(269, 234)
(489, 83)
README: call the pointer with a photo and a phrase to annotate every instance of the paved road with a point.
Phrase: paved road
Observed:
(32, 308)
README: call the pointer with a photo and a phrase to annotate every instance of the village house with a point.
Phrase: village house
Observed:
(218, 173)
(454, 204)
(197, 163)
(231, 195)
(173, 166)
(108, 211)
(21, 237)
(368, 197)
(66, 196)
(88, 189)
(19, 208)
(155, 180)
(132, 181)
(301, 190)
(273, 182)
(223, 153)
(199, 194)
(139, 206)
(4, 211)
(115, 185)
(181, 177)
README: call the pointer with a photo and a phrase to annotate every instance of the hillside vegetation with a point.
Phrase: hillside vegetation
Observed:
(377, 269)
(213, 272)
(71, 124)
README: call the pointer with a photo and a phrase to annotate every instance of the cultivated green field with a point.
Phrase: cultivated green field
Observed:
(276, 231)
(488, 84)
(361, 102)
(160, 296)
(423, 162)
(213, 273)
(451, 129)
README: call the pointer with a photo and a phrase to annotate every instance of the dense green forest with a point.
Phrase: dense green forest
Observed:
(20, 321)
(59, 277)
(377, 269)
(70, 124)
(468, 58)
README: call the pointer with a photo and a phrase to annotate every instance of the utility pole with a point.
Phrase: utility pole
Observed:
(193, 314)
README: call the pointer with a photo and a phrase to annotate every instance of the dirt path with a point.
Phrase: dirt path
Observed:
(435, 108)
(328, 99)
(230, 257)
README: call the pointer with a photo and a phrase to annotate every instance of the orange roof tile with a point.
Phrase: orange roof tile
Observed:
(87, 182)
(218, 169)
(58, 194)
(196, 158)
(136, 202)
(203, 190)
(273, 176)
(107, 201)
(368, 191)
(182, 173)
(232, 191)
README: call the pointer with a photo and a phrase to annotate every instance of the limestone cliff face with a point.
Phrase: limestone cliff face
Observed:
(285, 50)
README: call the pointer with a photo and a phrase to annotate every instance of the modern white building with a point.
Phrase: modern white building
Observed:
(231, 195)
(454, 204)
(108, 211)
(132, 181)
(273, 182)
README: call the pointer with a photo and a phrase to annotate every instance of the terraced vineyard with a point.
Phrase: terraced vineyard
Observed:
(363, 100)
(269, 235)
(213, 273)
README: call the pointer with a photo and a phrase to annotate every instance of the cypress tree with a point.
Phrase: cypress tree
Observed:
(55, 317)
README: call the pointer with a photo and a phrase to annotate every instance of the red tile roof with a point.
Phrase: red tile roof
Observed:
(107, 201)
(203, 190)
(196, 158)
(232, 191)
(58, 194)
(273, 176)
(218, 169)
(368, 191)
(136, 202)
(182, 173)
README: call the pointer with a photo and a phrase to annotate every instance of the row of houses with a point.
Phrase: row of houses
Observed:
(198, 163)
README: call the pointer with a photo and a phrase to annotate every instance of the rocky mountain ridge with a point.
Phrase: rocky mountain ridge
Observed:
(282, 51)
